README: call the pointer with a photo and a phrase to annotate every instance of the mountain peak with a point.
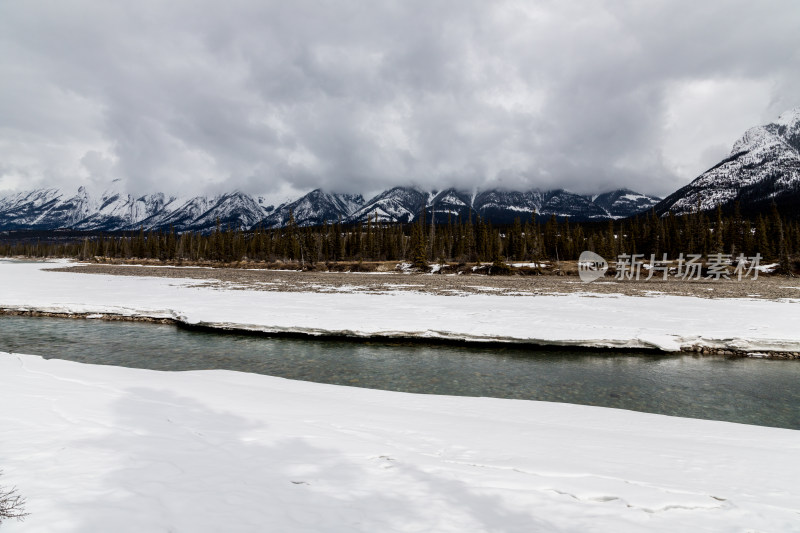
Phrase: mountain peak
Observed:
(753, 139)
(763, 166)
(313, 208)
(785, 129)
(789, 118)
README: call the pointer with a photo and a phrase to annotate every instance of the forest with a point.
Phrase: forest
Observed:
(774, 236)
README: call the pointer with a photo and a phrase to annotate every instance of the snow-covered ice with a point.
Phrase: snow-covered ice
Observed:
(666, 322)
(530, 265)
(101, 448)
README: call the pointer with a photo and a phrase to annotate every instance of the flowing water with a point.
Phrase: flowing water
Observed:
(762, 392)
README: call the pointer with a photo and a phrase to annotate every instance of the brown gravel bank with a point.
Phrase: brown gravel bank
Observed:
(765, 287)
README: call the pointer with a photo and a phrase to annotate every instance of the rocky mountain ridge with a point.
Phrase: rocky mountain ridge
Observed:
(763, 167)
(48, 209)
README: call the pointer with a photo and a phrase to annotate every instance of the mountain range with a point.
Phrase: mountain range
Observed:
(48, 209)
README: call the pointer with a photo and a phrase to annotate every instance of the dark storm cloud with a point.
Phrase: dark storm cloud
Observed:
(207, 96)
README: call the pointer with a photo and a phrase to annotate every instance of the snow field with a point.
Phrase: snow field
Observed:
(101, 448)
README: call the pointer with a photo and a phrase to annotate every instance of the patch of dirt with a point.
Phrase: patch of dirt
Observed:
(765, 287)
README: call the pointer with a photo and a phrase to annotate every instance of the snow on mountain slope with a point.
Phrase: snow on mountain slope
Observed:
(505, 206)
(399, 204)
(235, 210)
(315, 208)
(404, 204)
(624, 202)
(28, 209)
(114, 210)
(117, 211)
(566, 204)
(450, 205)
(231, 210)
(46, 209)
(764, 165)
(181, 217)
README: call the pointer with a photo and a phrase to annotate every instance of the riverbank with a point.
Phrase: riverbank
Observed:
(766, 287)
(100, 448)
(375, 306)
(697, 348)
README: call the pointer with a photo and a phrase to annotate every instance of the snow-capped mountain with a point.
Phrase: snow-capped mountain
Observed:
(52, 208)
(315, 208)
(44, 209)
(763, 166)
(47, 209)
(502, 206)
(398, 204)
(27, 209)
(116, 211)
(452, 203)
(505, 206)
(181, 216)
(566, 204)
(234, 210)
(404, 204)
(624, 202)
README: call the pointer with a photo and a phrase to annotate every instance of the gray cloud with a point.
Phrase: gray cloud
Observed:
(352, 96)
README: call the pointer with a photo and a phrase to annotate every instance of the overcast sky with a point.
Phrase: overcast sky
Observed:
(355, 96)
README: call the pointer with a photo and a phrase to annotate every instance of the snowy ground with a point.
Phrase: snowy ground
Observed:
(99, 449)
(667, 322)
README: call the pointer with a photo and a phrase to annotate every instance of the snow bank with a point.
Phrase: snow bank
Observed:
(100, 448)
(660, 321)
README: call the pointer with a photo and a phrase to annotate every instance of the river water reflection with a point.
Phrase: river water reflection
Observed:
(761, 392)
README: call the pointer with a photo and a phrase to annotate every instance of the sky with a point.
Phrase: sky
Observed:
(281, 97)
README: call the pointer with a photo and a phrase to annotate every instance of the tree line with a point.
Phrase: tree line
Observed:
(773, 235)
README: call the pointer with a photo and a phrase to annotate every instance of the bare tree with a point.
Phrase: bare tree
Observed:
(12, 505)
